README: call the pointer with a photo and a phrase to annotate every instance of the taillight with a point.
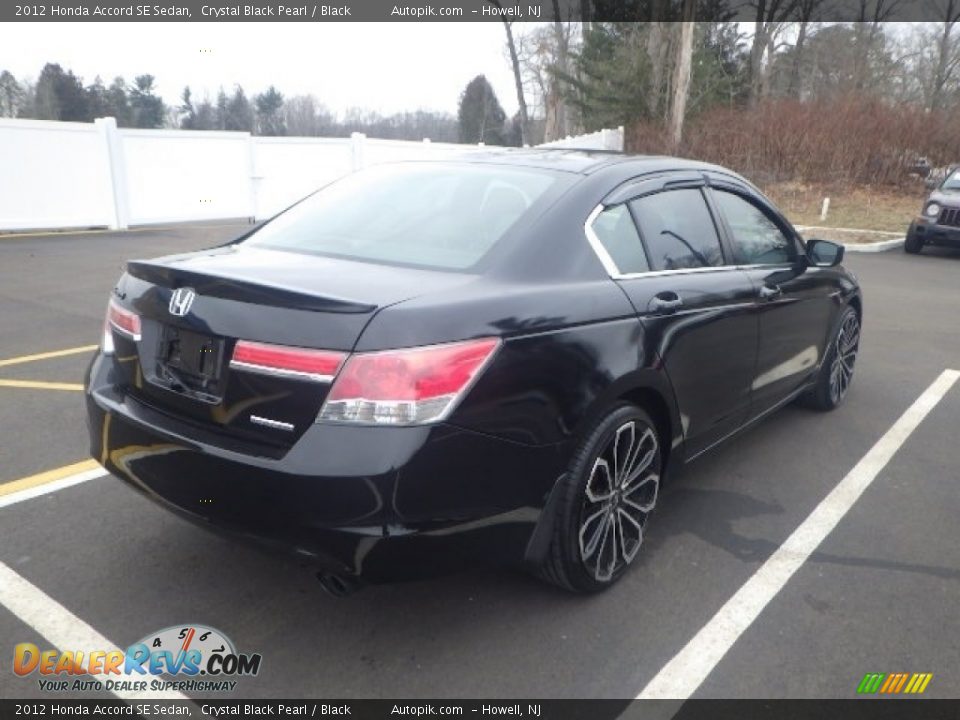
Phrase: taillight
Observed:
(306, 363)
(123, 321)
(406, 387)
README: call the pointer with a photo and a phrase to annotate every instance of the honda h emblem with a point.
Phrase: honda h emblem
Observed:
(181, 300)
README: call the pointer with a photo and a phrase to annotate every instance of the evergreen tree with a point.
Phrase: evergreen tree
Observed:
(11, 95)
(480, 116)
(269, 106)
(239, 112)
(60, 96)
(118, 104)
(147, 108)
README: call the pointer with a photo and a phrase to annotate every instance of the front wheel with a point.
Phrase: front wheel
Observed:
(913, 244)
(606, 498)
(836, 372)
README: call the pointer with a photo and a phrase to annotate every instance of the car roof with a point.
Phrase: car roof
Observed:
(585, 161)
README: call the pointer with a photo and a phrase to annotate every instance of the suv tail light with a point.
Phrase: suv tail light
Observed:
(306, 363)
(406, 387)
(123, 321)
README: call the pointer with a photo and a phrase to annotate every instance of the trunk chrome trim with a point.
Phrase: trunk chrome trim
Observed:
(279, 372)
(274, 424)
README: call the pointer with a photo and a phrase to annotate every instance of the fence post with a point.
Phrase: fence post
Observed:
(117, 170)
(255, 177)
(357, 141)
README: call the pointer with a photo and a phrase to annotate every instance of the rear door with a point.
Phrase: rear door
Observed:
(663, 247)
(795, 303)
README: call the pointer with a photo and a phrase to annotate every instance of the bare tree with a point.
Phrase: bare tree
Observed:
(657, 47)
(770, 17)
(947, 53)
(681, 74)
(806, 10)
(517, 75)
(868, 30)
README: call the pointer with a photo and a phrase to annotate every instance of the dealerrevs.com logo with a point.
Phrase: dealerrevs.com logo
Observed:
(188, 657)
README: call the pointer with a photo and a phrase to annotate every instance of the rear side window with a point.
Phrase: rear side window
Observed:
(756, 238)
(615, 231)
(678, 230)
(431, 215)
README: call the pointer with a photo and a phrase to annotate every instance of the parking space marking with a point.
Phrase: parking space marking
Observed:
(47, 355)
(61, 627)
(50, 481)
(681, 677)
(41, 385)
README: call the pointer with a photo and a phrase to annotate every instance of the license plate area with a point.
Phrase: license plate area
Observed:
(191, 363)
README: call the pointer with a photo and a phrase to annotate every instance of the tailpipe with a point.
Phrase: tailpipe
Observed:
(338, 585)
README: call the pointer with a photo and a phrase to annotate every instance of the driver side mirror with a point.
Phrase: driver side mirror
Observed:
(823, 253)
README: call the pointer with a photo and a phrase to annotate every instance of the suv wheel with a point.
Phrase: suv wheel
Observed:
(606, 498)
(913, 244)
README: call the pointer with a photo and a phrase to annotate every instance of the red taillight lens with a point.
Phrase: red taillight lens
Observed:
(406, 387)
(125, 322)
(320, 365)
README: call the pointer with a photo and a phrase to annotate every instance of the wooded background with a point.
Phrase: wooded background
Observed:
(785, 97)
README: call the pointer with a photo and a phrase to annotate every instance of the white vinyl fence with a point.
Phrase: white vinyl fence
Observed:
(605, 139)
(68, 175)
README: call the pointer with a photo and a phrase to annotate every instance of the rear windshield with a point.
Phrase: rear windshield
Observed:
(430, 215)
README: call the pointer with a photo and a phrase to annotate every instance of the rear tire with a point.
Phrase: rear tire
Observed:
(605, 499)
(836, 371)
(913, 244)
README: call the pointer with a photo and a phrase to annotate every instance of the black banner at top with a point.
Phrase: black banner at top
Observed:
(468, 11)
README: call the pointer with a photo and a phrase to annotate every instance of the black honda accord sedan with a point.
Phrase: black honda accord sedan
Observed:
(497, 358)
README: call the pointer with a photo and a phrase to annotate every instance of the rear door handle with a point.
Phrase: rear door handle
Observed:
(665, 302)
(768, 292)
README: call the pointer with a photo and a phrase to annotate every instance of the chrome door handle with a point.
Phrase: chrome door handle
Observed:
(667, 302)
(768, 292)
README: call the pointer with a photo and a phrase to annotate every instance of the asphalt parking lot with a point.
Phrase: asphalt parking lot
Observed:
(879, 594)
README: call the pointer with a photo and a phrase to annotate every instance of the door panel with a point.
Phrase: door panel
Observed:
(707, 345)
(793, 301)
(794, 309)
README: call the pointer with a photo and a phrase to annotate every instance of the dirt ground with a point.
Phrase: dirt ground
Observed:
(883, 209)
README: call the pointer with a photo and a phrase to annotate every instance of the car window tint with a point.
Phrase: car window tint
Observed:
(678, 230)
(952, 182)
(425, 214)
(615, 230)
(756, 238)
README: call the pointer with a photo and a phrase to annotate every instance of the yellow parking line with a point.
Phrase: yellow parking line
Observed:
(47, 477)
(37, 385)
(47, 355)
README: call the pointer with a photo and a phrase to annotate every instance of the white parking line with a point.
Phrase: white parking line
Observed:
(61, 627)
(681, 677)
(32, 492)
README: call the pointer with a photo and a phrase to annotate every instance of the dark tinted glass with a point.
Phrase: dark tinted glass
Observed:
(678, 230)
(615, 230)
(756, 238)
(427, 214)
(953, 181)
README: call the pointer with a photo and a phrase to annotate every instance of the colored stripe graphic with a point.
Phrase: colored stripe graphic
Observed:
(894, 683)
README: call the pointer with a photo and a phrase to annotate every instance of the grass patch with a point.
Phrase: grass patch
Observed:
(859, 207)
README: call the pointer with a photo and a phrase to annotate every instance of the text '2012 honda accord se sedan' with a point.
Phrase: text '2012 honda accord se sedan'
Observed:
(496, 358)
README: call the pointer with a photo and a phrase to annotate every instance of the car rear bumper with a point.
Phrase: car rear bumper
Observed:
(375, 502)
(933, 234)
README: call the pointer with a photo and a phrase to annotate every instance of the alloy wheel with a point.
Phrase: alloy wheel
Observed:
(845, 356)
(619, 496)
